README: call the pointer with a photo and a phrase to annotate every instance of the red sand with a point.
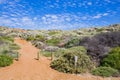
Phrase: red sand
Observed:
(28, 68)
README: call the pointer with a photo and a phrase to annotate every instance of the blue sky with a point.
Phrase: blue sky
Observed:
(58, 14)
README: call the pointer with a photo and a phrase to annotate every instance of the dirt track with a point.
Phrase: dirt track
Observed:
(28, 68)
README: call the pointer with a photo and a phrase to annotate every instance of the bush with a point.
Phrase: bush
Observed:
(6, 38)
(104, 71)
(14, 47)
(40, 38)
(59, 52)
(53, 32)
(112, 59)
(46, 53)
(65, 63)
(99, 45)
(71, 43)
(30, 38)
(5, 60)
(100, 29)
(53, 41)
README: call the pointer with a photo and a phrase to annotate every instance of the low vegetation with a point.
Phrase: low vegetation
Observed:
(105, 71)
(65, 63)
(71, 43)
(53, 41)
(8, 50)
(98, 49)
(99, 45)
(46, 53)
(5, 60)
(112, 59)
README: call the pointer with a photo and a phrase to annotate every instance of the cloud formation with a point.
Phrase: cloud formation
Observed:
(60, 14)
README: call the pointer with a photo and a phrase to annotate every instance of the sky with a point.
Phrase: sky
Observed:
(59, 14)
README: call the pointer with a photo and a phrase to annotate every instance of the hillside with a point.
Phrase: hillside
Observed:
(78, 32)
(97, 49)
(45, 39)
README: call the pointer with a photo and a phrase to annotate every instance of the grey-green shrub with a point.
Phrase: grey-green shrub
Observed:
(104, 71)
(65, 63)
(7, 46)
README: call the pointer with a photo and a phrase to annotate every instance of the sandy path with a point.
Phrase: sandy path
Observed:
(27, 68)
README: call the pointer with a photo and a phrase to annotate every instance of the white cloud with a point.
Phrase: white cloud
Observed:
(53, 16)
(97, 16)
(49, 21)
(68, 19)
(4, 21)
(100, 15)
(105, 14)
(26, 21)
(55, 19)
(89, 3)
(18, 17)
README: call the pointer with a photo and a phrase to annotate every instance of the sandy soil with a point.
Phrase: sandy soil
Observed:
(28, 68)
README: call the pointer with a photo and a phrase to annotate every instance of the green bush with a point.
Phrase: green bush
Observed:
(65, 63)
(40, 38)
(112, 59)
(59, 52)
(6, 38)
(30, 38)
(71, 43)
(99, 29)
(46, 53)
(14, 47)
(104, 71)
(53, 33)
(5, 60)
(53, 41)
